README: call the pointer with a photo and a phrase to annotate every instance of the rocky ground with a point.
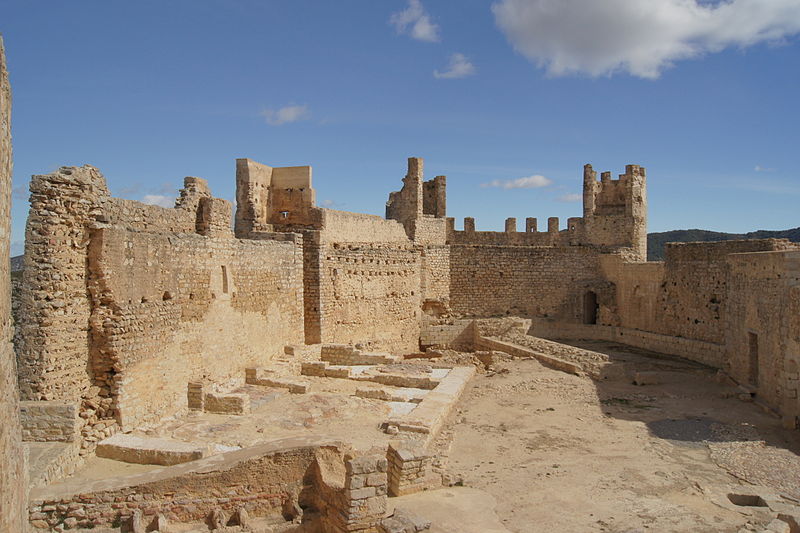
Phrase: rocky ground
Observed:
(564, 453)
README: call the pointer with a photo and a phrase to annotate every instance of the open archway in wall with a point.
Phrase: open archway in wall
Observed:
(590, 307)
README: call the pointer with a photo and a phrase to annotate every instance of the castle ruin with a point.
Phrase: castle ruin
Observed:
(133, 314)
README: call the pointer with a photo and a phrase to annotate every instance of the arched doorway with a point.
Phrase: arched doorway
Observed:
(590, 307)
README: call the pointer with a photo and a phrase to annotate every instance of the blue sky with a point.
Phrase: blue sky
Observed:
(508, 98)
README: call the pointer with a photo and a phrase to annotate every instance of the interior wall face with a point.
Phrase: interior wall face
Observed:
(173, 309)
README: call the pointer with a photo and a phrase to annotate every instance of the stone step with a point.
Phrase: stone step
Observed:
(259, 376)
(149, 450)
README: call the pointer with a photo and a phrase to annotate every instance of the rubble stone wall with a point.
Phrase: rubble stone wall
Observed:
(685, 297)
(362, 283)
(49, 421)
(435, 274)
(13, 468)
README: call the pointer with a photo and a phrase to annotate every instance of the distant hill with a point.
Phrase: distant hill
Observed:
(17, 262)
(656, 241)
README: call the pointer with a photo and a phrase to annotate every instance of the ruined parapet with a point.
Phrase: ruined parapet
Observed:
(273, 196)
(13, 468)
(194, 190)
(53, 347)
(420, 205)
(615, 211)
(434, 197)
(406, 204)
(214, 218)
(252, 197)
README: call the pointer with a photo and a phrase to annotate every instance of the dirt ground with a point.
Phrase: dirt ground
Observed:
(560, 452)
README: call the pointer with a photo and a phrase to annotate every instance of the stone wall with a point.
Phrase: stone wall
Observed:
(44, 421)
(522, 281)
(762, 329)
(341, 493)
(13, 474)
(361, 282)
(174, 309)
(686, 296)
(54, 307)
(370, 294)
(126, 303)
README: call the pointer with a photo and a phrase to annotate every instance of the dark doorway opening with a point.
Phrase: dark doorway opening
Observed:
(590, 308)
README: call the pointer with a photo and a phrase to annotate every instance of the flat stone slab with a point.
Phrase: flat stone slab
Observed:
(149, 451)
(400, 394)
(431, 412)
(454, 510)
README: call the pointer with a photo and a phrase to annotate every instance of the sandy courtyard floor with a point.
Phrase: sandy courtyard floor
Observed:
(563, 453)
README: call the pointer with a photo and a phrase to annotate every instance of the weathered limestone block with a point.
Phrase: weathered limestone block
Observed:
(149, 451)
(257, 376)
(227, 404)
(409, 470)
(45, 421)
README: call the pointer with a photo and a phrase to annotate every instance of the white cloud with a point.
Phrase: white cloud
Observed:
(20, 192)
(459, 67)
(158, 199)
(286, 114)
(415, 22)
(641, 37)
(759, 168)
(570, 198)
(531, 182)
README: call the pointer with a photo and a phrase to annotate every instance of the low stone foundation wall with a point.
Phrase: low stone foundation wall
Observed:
(409, 471)
(460, 335)
(52, 461)
(706, 353)
(345, 354)
(347, 493)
